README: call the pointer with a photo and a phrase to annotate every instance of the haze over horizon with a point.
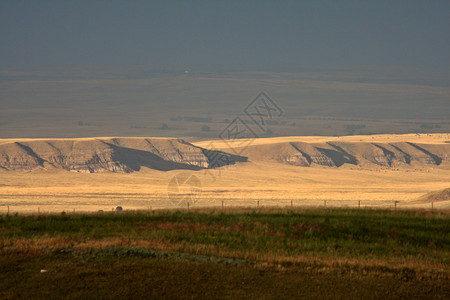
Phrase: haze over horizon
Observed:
(142, 68)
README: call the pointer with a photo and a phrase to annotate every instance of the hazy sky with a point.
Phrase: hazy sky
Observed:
(225, 35)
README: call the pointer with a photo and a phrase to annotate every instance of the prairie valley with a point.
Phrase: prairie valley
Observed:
(98, 174)
(224, 149)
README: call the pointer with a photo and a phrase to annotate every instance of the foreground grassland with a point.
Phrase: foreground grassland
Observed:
(236, 253)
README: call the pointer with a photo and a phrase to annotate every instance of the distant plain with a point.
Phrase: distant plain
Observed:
(77, 103)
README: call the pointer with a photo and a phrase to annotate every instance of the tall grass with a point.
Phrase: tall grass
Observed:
(419, 236)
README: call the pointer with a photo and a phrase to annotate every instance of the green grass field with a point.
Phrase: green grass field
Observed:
(236, 253)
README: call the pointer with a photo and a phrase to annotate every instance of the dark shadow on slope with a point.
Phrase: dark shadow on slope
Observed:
(305, 155)
(406, 155)
(31, 153)
(434, 157)
(60, 156)
(218, 159)
(136, 159)
(388, 154)
(337, 157)
(350, 158)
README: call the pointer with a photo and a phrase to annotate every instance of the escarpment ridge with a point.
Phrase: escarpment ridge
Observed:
(363, 154)
(122, 155)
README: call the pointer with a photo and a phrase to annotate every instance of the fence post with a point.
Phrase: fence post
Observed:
(8, 209)
(359, 203)
(257, 203)
(222, 204)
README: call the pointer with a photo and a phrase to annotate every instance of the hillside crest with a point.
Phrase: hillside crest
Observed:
(124, 155)
(121, 155)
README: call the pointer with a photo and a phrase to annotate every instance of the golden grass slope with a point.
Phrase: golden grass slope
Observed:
(436, 196)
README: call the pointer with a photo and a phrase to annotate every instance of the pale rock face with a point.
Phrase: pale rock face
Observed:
(17, 157)
(295, 160)
(107, 155)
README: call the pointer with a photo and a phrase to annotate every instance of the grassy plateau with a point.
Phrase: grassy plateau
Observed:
(232, 253)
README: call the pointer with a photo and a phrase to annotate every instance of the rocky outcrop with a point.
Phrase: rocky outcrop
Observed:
(17, 156)
(114, 155)
(131, 154)
(364, 154)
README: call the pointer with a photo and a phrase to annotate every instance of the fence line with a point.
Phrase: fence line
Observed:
(6, 209)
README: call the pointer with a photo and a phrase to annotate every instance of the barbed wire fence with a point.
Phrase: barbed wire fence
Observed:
(184, 203)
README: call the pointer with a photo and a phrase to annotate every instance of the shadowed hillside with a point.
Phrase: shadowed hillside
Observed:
(109, 154)
(126, 155)
(336, 154)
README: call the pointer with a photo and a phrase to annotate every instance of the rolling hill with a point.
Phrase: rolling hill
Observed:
(124, 155)
(121, 155)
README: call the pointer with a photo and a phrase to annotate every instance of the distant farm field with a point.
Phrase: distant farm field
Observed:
(230, 253)
(36, 105)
